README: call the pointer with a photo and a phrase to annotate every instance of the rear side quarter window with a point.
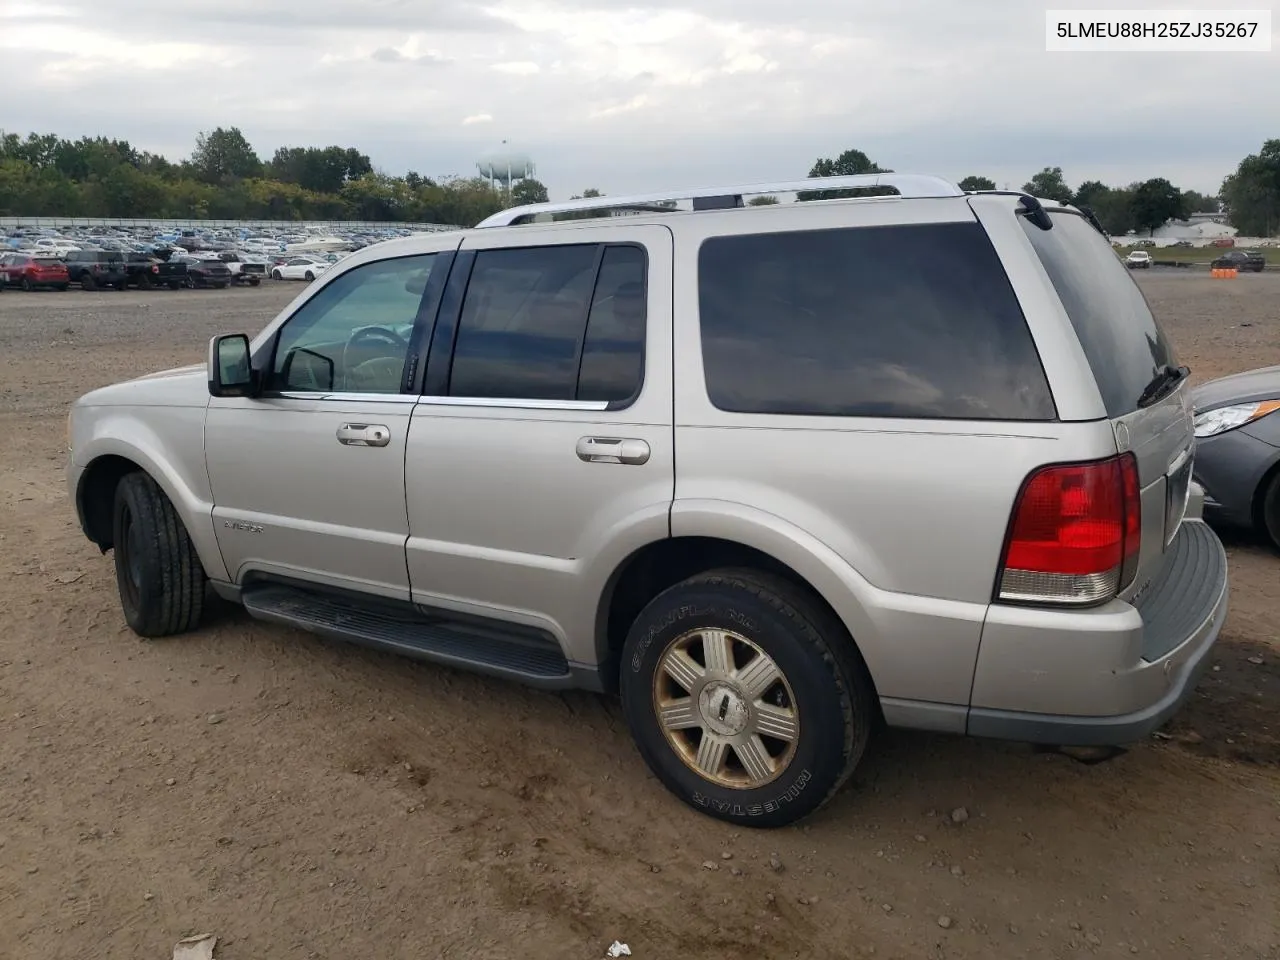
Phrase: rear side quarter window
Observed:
(909, 321)
(1120, 336)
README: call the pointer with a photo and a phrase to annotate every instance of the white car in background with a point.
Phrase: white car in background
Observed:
(1138, 259)
(300, 268)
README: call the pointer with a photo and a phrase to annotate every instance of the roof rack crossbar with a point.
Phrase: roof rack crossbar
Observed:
(913, 185)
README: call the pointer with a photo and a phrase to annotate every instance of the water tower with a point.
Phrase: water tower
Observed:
(503, 165)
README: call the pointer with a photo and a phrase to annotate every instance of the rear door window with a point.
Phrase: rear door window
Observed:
(553, 323)
(1120, 336)
(909, 321)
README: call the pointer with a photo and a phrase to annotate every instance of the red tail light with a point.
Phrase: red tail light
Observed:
(1075, 534)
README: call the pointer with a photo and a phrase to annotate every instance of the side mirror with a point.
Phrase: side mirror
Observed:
(229, 369)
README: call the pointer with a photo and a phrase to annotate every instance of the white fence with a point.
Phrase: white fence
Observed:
(291, 226)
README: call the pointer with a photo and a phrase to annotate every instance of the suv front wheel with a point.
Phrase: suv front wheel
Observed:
(745, 698)
(158, 572)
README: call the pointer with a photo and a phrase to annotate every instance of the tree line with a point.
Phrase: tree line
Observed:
(1249, 198)
(225, 179)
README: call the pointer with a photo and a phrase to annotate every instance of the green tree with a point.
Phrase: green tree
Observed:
(1155, 202)
(529, 191)
(224, 155)
(762, 200)
(1113, 206)
(1197, 202)
(1089, 192)
(977, 183)
(1251, 195)
(1050, 185)
(851, 163)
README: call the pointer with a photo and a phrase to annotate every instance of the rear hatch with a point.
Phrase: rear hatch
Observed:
(1143, 388)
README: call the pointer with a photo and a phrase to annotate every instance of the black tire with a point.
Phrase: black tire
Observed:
(219, 285)
(309, 276)
(158, 573)
(175, 284)
(254, 281)
(27, 285)
(62, 287)
(1267, 509)
(88, 283)
(833, 697)
(275, 275)
(144, 281)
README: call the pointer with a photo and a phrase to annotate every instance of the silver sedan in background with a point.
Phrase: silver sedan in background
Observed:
(1238, 450)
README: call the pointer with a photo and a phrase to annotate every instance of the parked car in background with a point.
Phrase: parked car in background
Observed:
(1238, 450)
(1222, 242)
(204, 273)
(1138, 259)
(145, 272)
(244, 268)
(93, 269)
(33, 272)
(300, 268)
(1243, 260)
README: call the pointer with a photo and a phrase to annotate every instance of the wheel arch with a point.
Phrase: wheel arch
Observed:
(95, 495)
(661, 564)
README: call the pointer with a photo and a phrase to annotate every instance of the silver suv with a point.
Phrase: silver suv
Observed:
(773, 474)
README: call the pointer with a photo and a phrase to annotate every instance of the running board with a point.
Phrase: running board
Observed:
(405, 629)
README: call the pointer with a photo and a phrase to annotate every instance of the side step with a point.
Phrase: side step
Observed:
(403, 628)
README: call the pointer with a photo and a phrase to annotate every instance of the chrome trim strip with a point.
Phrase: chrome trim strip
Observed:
(515, 403)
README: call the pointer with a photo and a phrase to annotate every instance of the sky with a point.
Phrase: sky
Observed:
(632, 96)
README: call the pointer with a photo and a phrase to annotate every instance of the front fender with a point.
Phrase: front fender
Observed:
(169, 445)
(916, 648)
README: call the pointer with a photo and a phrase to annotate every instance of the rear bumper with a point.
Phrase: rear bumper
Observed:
(1107, 676)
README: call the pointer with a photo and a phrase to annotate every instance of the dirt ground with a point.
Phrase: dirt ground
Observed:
(302, 799)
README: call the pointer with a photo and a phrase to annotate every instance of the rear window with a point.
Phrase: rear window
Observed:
(912, 321)
(1121, 338)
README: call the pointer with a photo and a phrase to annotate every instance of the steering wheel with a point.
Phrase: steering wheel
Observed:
(373, 333)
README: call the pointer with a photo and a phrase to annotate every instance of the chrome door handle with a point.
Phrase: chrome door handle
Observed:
(364, 435)
(612, 450)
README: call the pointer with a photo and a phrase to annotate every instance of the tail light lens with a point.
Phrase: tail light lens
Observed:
(1075, 534)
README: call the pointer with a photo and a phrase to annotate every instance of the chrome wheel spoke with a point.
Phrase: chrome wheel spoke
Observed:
(758, 676)
(680, 714)
(717, 651)
(683, 669)
(777, 722)
(746, 736)
(711, 755)
(755, 758)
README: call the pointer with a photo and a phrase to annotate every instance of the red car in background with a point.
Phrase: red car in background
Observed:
(28, 272)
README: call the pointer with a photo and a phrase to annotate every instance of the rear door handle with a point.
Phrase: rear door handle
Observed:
(364, 434)
(612, 450)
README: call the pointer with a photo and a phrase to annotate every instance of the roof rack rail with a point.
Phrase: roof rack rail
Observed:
(908, 185)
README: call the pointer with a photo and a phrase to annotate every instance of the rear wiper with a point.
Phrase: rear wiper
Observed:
(1166, 378)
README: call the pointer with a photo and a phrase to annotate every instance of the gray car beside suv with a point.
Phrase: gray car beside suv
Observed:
(773, 474)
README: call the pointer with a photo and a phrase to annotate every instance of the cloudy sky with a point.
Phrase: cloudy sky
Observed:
(637, 95)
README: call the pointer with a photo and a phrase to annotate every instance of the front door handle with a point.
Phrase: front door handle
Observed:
(364, 435)
(612, 450)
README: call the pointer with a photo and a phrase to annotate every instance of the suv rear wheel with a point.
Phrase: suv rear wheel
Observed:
(158, 573)
(744, 698)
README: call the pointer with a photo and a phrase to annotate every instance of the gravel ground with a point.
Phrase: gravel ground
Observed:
(302, 799)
